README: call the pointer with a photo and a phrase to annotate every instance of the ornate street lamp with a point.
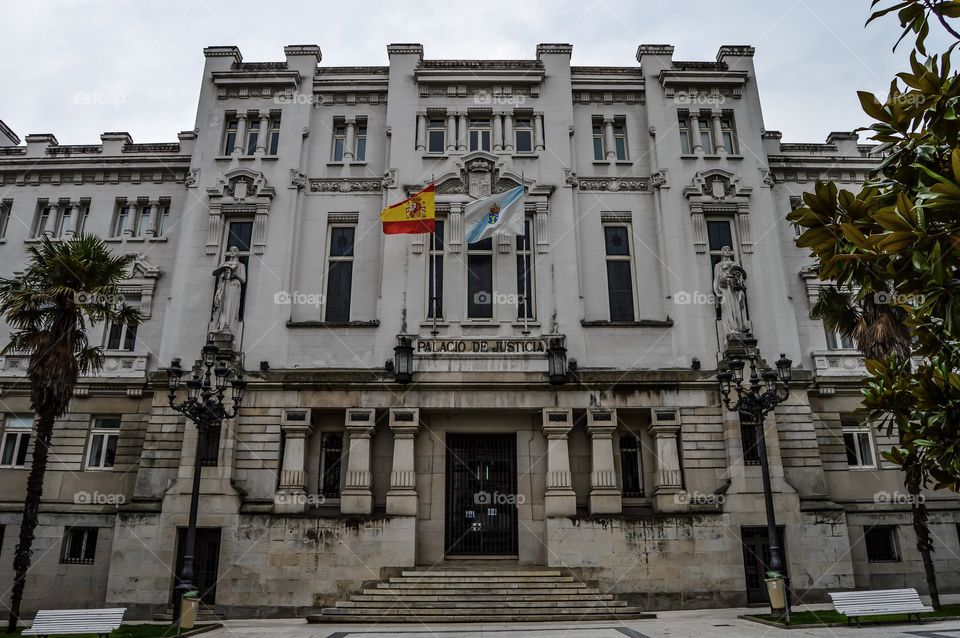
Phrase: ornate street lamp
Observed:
(755, 401)
(206, 391)
(557, 361)
(403, 360)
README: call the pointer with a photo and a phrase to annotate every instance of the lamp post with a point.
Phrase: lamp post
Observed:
(756, 400)
(206, 390)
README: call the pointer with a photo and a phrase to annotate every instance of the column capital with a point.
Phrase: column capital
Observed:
(665, 421)
(296, 422)
(404, 422)
(241, 115)
(557, 422)
(601, 422)
(360, 422)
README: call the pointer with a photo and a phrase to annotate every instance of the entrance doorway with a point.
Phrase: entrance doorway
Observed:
(481, 495)
(206, 562)
(756, 560)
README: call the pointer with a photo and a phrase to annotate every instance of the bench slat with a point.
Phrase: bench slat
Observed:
(75, 621)
(878, 603)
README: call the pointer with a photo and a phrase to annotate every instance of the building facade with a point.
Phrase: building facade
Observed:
(630, 472)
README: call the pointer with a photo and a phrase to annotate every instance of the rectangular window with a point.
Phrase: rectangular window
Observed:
(331, 453)
(729, 133)
(684, 123)
(706, 135)
(210, 447)
(525, 297)
(230, 135)
(631, 466)
(719, 234)
(240, 234)
(16, 440)
(436, 135)
(121, 336)
(750, 439)
(163, 223)
(143, 220)
(599, 152)
(4, 217)
(274, 135)
(339, 273)
(480, 279)
(46, 218)
(360, 143)
(435, 272)
(479, 134)
(858, 444)
(839, 341)
(620, 139)
(339, 139)
(881, 543)
(523, 134)
(79, 546)
(616, 239)
(121, 221)
(102, 451)
(253, 134)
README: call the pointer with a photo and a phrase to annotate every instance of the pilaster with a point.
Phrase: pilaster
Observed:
(402, 495)
(560, 499)
(605, 495)
(356, 497)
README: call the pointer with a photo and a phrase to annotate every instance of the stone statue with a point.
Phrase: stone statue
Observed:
(730, 288)
(231, 275)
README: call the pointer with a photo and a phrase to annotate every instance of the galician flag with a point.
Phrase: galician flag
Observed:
(412, 216)
(500, 214)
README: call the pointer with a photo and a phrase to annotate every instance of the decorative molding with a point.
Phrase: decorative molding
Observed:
(192, 178)
(343, 218)
(239, 191)
(141, 281)
(345, 185)
(298, 180)
(613, 184)
(659, 179)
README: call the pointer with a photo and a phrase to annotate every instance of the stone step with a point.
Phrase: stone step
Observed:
(473, 578)
(480, 604)
(499, 573)
(492, 595)
(475, 615)
(489, 584)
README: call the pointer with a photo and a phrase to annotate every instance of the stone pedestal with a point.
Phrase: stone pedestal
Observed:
(669, 477)
(560, 499)
(605, 496)
(356, 497)
(402, 495)
(291, 495)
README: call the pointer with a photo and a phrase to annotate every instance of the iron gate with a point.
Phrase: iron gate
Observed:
(481, 504)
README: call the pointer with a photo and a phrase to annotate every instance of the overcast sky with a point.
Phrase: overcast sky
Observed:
(76, 69)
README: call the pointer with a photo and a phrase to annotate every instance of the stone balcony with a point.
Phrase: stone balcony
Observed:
(115, 364)
(838, 363)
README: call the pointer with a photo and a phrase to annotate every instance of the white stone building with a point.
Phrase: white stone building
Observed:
(631, 474)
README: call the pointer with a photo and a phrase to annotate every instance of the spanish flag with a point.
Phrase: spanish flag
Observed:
(412, 216)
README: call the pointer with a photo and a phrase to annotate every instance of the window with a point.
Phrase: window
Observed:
(839, 341)
(435, 272)
(479, 134)
(339, 140)
(436, 135)
(121, 221)
(253, 134)
(274, 136)
(719, 234)
(480, 279)
(46, 218)
(620, 139)
(684, 123)
(121, 336)
(599, 153)
(706, 135)
(858, 443)
(104, 434)
(65, 222)
(240, 234)
(16, 440)
(523, 134)
(230, 135)
(360, 141)
(339, 273)
(331, 452)
(143, 220)
(525, 297)
(750, 439)
(209, 447)
(79, 545)
(5, 207)
(631, 466)
(728, 133)
(163, 223)
(881, 542)
(616, 239)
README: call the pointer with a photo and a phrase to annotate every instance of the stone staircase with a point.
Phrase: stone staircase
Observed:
(480, 594)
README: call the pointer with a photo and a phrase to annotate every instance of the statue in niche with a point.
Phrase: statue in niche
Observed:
(730, 288)
(230, 275)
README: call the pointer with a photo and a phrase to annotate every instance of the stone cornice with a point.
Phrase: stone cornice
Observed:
(6, 130)
(223, 52)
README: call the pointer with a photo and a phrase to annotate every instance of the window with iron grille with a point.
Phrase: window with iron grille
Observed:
(881, 543)
(79, 546)
(750, 439)
(210, 447)
(331, 453)
(631, 466)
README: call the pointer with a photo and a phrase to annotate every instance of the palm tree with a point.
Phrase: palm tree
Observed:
(879, 331)
(66, 287)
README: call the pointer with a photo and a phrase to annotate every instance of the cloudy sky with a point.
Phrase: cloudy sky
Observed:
(78, 68)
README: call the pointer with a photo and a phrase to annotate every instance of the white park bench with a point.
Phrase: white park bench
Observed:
(63, 622)
(881, 602)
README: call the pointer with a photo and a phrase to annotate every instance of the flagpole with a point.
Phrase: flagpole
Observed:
(433, 266)
(526, 239)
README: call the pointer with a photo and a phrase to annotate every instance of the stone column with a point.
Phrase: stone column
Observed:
(538, 132)
(348, 141)
(291, 495)
(462, 133)
(402, 495)
(451, 132)
(508, 132)
(154, 218)
(605, 495)
(240, 143)
(560, 499)
(455, 221)
(75, 220)
(356, 497)
(497, 132)
(718, 146)
(608, 138)
(421, 131)
(665, 425)
(695, 131)
(264, 133)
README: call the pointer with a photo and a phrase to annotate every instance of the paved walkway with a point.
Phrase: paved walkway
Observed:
(709, 623)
